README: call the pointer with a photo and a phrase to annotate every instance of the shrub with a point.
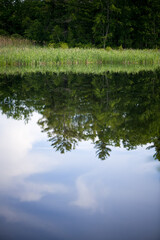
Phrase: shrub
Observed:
(17, 36)
(108, 48)
(63, 45)
(51, 45)
(120, 47)
(3, 32)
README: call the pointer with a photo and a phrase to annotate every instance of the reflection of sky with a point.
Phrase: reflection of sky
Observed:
(47, 195)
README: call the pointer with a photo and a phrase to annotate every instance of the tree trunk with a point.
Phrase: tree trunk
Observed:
(107, 26)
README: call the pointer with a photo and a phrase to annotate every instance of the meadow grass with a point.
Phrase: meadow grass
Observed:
(23, 53)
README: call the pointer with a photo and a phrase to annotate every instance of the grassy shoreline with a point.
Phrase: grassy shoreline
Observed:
(23, 55)
(44, 56)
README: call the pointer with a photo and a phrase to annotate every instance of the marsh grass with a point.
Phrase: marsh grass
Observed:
(15, 52)
(16, 42)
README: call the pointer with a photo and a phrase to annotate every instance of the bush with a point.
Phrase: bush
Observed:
(108, 48)
(3, 32)
(120, 47)
(16, 35)
(52, 45)
(58, 45)
(63, 45)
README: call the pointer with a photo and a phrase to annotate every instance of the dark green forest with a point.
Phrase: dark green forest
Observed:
(87, 23)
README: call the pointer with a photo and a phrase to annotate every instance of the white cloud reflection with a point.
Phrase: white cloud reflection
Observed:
(18, 162)
(93, 181)
(122, 177)
(86, 197)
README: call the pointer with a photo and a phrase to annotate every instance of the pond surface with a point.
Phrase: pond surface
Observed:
(79, 156)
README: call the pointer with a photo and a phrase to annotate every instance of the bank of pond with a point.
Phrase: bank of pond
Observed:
(17, 52)
(41, 56)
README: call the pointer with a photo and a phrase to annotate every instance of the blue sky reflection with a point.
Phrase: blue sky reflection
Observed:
(76, 195)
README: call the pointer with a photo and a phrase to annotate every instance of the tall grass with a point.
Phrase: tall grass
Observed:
(16, 42)
(23, 53)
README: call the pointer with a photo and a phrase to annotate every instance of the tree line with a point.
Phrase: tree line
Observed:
(87, 23)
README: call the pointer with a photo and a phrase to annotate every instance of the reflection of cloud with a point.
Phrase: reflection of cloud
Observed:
(91, 192)
(126, 176)
(28, 191)
(86, 198)
(18, 161)
(9, 214)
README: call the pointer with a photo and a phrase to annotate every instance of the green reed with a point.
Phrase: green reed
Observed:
(26, 54)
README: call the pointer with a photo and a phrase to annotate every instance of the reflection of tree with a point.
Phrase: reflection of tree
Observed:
(109, 109)
(156, 145)
(62, 143)
(102, 149)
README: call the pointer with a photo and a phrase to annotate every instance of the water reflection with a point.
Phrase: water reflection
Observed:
(109, 109)
(48, 195)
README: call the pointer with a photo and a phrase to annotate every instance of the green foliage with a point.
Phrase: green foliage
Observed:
(51, 45)
(62, 45)
(130, 24)
(57, 34)
(120, 47)
(35, 31)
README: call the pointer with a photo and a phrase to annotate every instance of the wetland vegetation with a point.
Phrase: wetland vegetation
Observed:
(22, 53)
(49, 33)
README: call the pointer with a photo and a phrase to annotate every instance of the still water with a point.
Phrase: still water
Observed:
(79, 156)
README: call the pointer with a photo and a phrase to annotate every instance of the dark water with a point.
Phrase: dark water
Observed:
(79, 156)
